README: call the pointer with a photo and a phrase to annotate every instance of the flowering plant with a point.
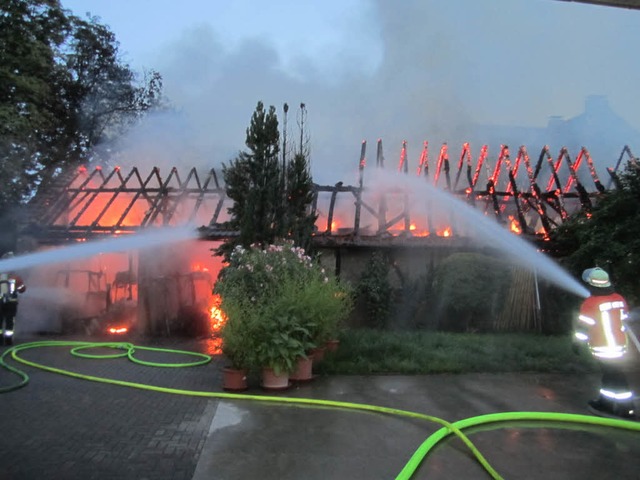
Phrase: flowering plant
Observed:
(283, 300)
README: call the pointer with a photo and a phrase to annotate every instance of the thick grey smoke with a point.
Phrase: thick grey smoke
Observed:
(485, 72)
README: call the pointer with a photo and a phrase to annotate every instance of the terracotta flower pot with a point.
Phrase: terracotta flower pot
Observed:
(332, 345)
(271, 381)
(234, 380)
(304, 369)
(318, 354)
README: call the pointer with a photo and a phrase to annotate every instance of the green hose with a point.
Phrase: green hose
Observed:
(407, 472)
(494, 418)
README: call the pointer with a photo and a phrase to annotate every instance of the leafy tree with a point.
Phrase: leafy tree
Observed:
(264, 208)
(103, 97)
(63, 91)
(609, 237)
(28, 104)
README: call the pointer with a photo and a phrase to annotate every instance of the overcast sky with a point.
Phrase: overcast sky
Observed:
(367, 69)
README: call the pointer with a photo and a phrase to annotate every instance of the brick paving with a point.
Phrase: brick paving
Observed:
(58, 427)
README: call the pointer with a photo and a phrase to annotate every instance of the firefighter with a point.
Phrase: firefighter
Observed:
(601, 326)
(10, 286)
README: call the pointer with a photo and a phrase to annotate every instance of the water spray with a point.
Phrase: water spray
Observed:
(482, 228)
(148, 239)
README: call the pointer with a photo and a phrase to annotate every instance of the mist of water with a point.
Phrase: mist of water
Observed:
(56, 296)
(147, 239)
(480, 228)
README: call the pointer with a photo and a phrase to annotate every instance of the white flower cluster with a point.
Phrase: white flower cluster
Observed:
(268, 259)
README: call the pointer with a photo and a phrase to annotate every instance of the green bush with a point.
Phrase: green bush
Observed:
(374, 290)
(283, 303)
(470, 289)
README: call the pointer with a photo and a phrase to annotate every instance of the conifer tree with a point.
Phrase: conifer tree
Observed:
(253, 182)
(299, 191)
(269, 203)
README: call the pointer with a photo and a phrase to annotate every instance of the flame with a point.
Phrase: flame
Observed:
(118, 330)
(198, 267)
(216, 315)
(213, 346)
(514, 227)
(418, 231)
(217, 319)
(446, 232)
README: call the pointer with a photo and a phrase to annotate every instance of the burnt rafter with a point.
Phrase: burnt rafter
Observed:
(512, 193)
(86, 204)
(94, 204)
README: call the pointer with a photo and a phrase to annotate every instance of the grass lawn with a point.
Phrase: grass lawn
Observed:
(366, 351)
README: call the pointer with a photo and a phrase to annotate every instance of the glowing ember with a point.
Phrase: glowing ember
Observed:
(118, 330)
(213, 346)
(418, 231)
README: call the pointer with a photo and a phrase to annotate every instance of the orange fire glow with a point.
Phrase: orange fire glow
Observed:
(514, 227)
(446, 232)
(217, 316)
(109, 208)
(418, 231)
(118, 330)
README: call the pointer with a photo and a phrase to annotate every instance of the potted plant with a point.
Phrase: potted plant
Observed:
(294, 306)
(284, 303)
(326, 303)
(236, 349)
(281, 341)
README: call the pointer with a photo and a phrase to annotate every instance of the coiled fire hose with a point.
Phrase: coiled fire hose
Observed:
(456, 428)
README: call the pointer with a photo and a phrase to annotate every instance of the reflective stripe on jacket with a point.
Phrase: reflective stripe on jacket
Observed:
(601, 317)
(10, 286)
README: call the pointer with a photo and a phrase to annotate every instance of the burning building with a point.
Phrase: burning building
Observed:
(168, 290)
(160, 290)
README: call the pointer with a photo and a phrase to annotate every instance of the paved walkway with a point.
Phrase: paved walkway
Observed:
(59, 427)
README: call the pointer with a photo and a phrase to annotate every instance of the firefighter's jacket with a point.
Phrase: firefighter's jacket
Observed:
(600, 323)
(10, 286)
